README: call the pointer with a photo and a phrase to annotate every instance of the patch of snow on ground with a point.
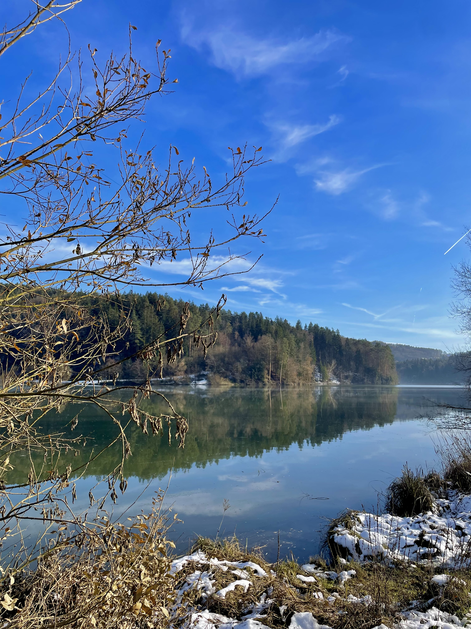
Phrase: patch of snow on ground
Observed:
(256, 610)
(208, 620)
(200, 581)
(309, 567)
(242, 574)
(232, 586)
(442, 536)
(346, 574)
(179, 564)
(306, 579)
(433, 618)
(305, 620)
(365, 600)
(440, 579)
(241, 565)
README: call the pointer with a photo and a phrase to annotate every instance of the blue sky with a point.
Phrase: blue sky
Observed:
(363, 108)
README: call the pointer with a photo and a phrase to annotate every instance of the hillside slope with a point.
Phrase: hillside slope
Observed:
(403, 352)
(251, 349)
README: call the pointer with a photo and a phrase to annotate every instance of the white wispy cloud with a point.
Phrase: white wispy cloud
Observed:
(269, 300)
(439, 224)
(185, 266)
(341, 285)
(345, 261)
(343, 73)
(422, 216)
(240, 289)
(388, 206)
(336, 183)
(440, 333)
(306, 311)
(422, 200)
(369, 312)
(273, 285)
(248, 56)
(340, 265)
(329, 177)
(316, 242)
(289, 135)
(289, 309)
(250, 284)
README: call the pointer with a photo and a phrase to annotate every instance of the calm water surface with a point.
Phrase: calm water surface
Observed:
(284, 461)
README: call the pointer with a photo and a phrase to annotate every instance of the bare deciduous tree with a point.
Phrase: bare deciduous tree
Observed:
(86, 234)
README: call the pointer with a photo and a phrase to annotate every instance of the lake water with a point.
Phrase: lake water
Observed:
(282, 462)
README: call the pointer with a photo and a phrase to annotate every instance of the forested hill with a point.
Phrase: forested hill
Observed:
(424, 365)
(252, 349)
(409, 352)
(445, 370)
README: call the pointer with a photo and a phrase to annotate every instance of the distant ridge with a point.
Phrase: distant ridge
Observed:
(424, 365)
(403, 352)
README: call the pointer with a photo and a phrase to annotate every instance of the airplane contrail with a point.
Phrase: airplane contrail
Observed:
(469, 230)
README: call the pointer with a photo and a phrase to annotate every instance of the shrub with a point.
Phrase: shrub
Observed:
(106, 575)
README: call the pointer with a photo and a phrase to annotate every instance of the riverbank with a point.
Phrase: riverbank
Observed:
(404, 573)
(224, 587)
(408, 568)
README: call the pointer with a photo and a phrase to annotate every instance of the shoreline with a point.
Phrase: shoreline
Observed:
(411, 570)
(388, 585)
(173, 383)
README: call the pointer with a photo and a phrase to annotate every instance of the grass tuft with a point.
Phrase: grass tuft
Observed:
(453, 597)
(456, 455)
(229, 549)
(409, 494)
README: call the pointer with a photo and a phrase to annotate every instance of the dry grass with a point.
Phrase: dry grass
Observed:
(455, 451)
(453, 597)
(389, 589)
(230, 550)
(409, 494)
(216, 380)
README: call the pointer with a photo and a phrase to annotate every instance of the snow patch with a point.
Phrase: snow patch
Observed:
(209, 620)
(231, 587)
(439, 537)
(433, 618)
(179, 564)
(306, 579)
(305, 620)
